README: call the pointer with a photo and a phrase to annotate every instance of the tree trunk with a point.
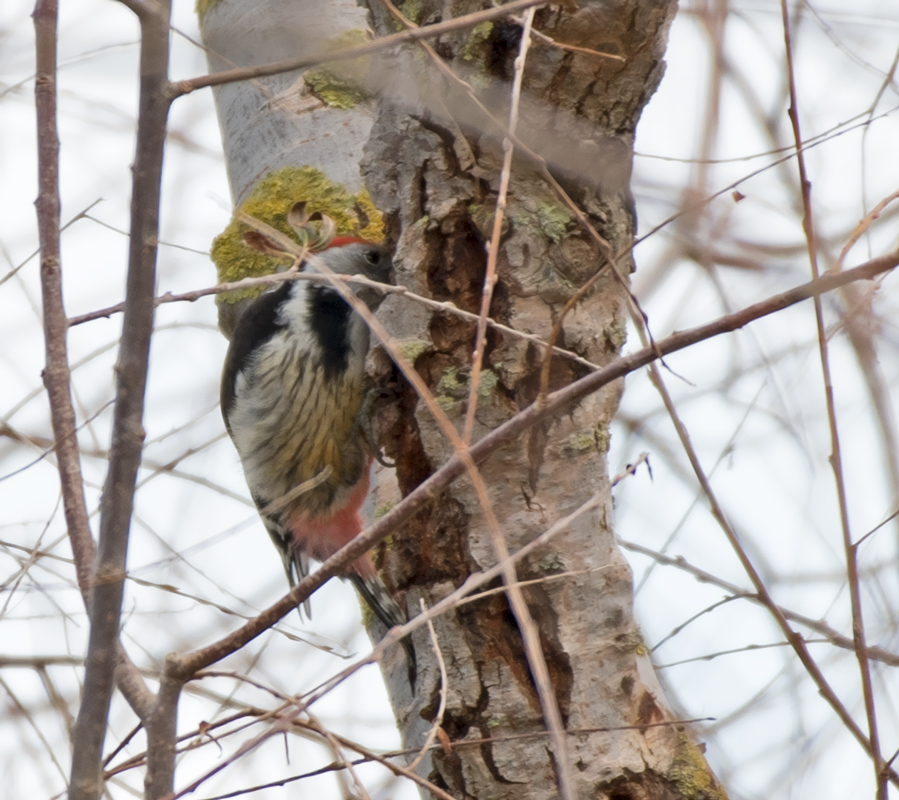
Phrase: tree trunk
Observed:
(432, 162)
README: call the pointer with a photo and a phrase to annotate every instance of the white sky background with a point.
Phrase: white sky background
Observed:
(753, 399)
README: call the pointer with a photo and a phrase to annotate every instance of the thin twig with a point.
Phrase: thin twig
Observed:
(342, 762)
(836, 460)
(490, 276)
(444, 691)
(279, 277)
(281, 724)
(57, 377)
(396, 769)
(39, 662)
(349, 53)
(833, 636)
(542, 37)
(863, 226)
(80, 215)
(22, 711)
(734, 651)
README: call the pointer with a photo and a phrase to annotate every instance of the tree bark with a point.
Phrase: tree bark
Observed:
(435, 172)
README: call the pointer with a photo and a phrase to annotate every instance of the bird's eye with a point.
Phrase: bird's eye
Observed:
(373, 257)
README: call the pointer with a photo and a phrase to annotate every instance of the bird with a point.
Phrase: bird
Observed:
(293, 399)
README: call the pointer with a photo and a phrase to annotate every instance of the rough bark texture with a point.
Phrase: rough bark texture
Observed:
(432, 165)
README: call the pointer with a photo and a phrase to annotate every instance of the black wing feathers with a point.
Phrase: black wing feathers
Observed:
(329, 318)
(256, 326)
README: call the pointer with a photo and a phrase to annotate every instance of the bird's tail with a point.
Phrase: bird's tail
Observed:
(387, 610)
(296, 563)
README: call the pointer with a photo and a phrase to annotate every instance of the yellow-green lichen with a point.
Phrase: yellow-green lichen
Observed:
(334, 90)
(472, 48)
(603, 436)
(368, 616)
(444, 402)
(633, 641)
(411, 9)
(270, 201)
(581, 440)
(520, 217)
(616, 334)
(487, 383)
(411, 349)
(341, 86)
(451, 382)
(203, 6)
(596, 438)
(691, 774)
(554, 220)
(383, 509)
(483, 218)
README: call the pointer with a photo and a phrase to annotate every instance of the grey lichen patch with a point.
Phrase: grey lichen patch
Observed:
(552, 564)
(270, 201)
(554, 220)
(341, 86)
(520, 216)
(616, 334)
(596, 438)
(691, 774)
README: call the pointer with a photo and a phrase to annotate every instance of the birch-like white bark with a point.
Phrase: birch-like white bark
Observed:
(273, 122)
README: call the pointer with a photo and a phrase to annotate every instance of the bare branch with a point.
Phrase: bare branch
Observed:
(490, 276)
(57, 374)
(418, 499)
(127, 438)
(831, 634)
(836, 460)
(347, 54)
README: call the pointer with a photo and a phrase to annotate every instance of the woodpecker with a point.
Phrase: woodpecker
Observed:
(293, 397)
